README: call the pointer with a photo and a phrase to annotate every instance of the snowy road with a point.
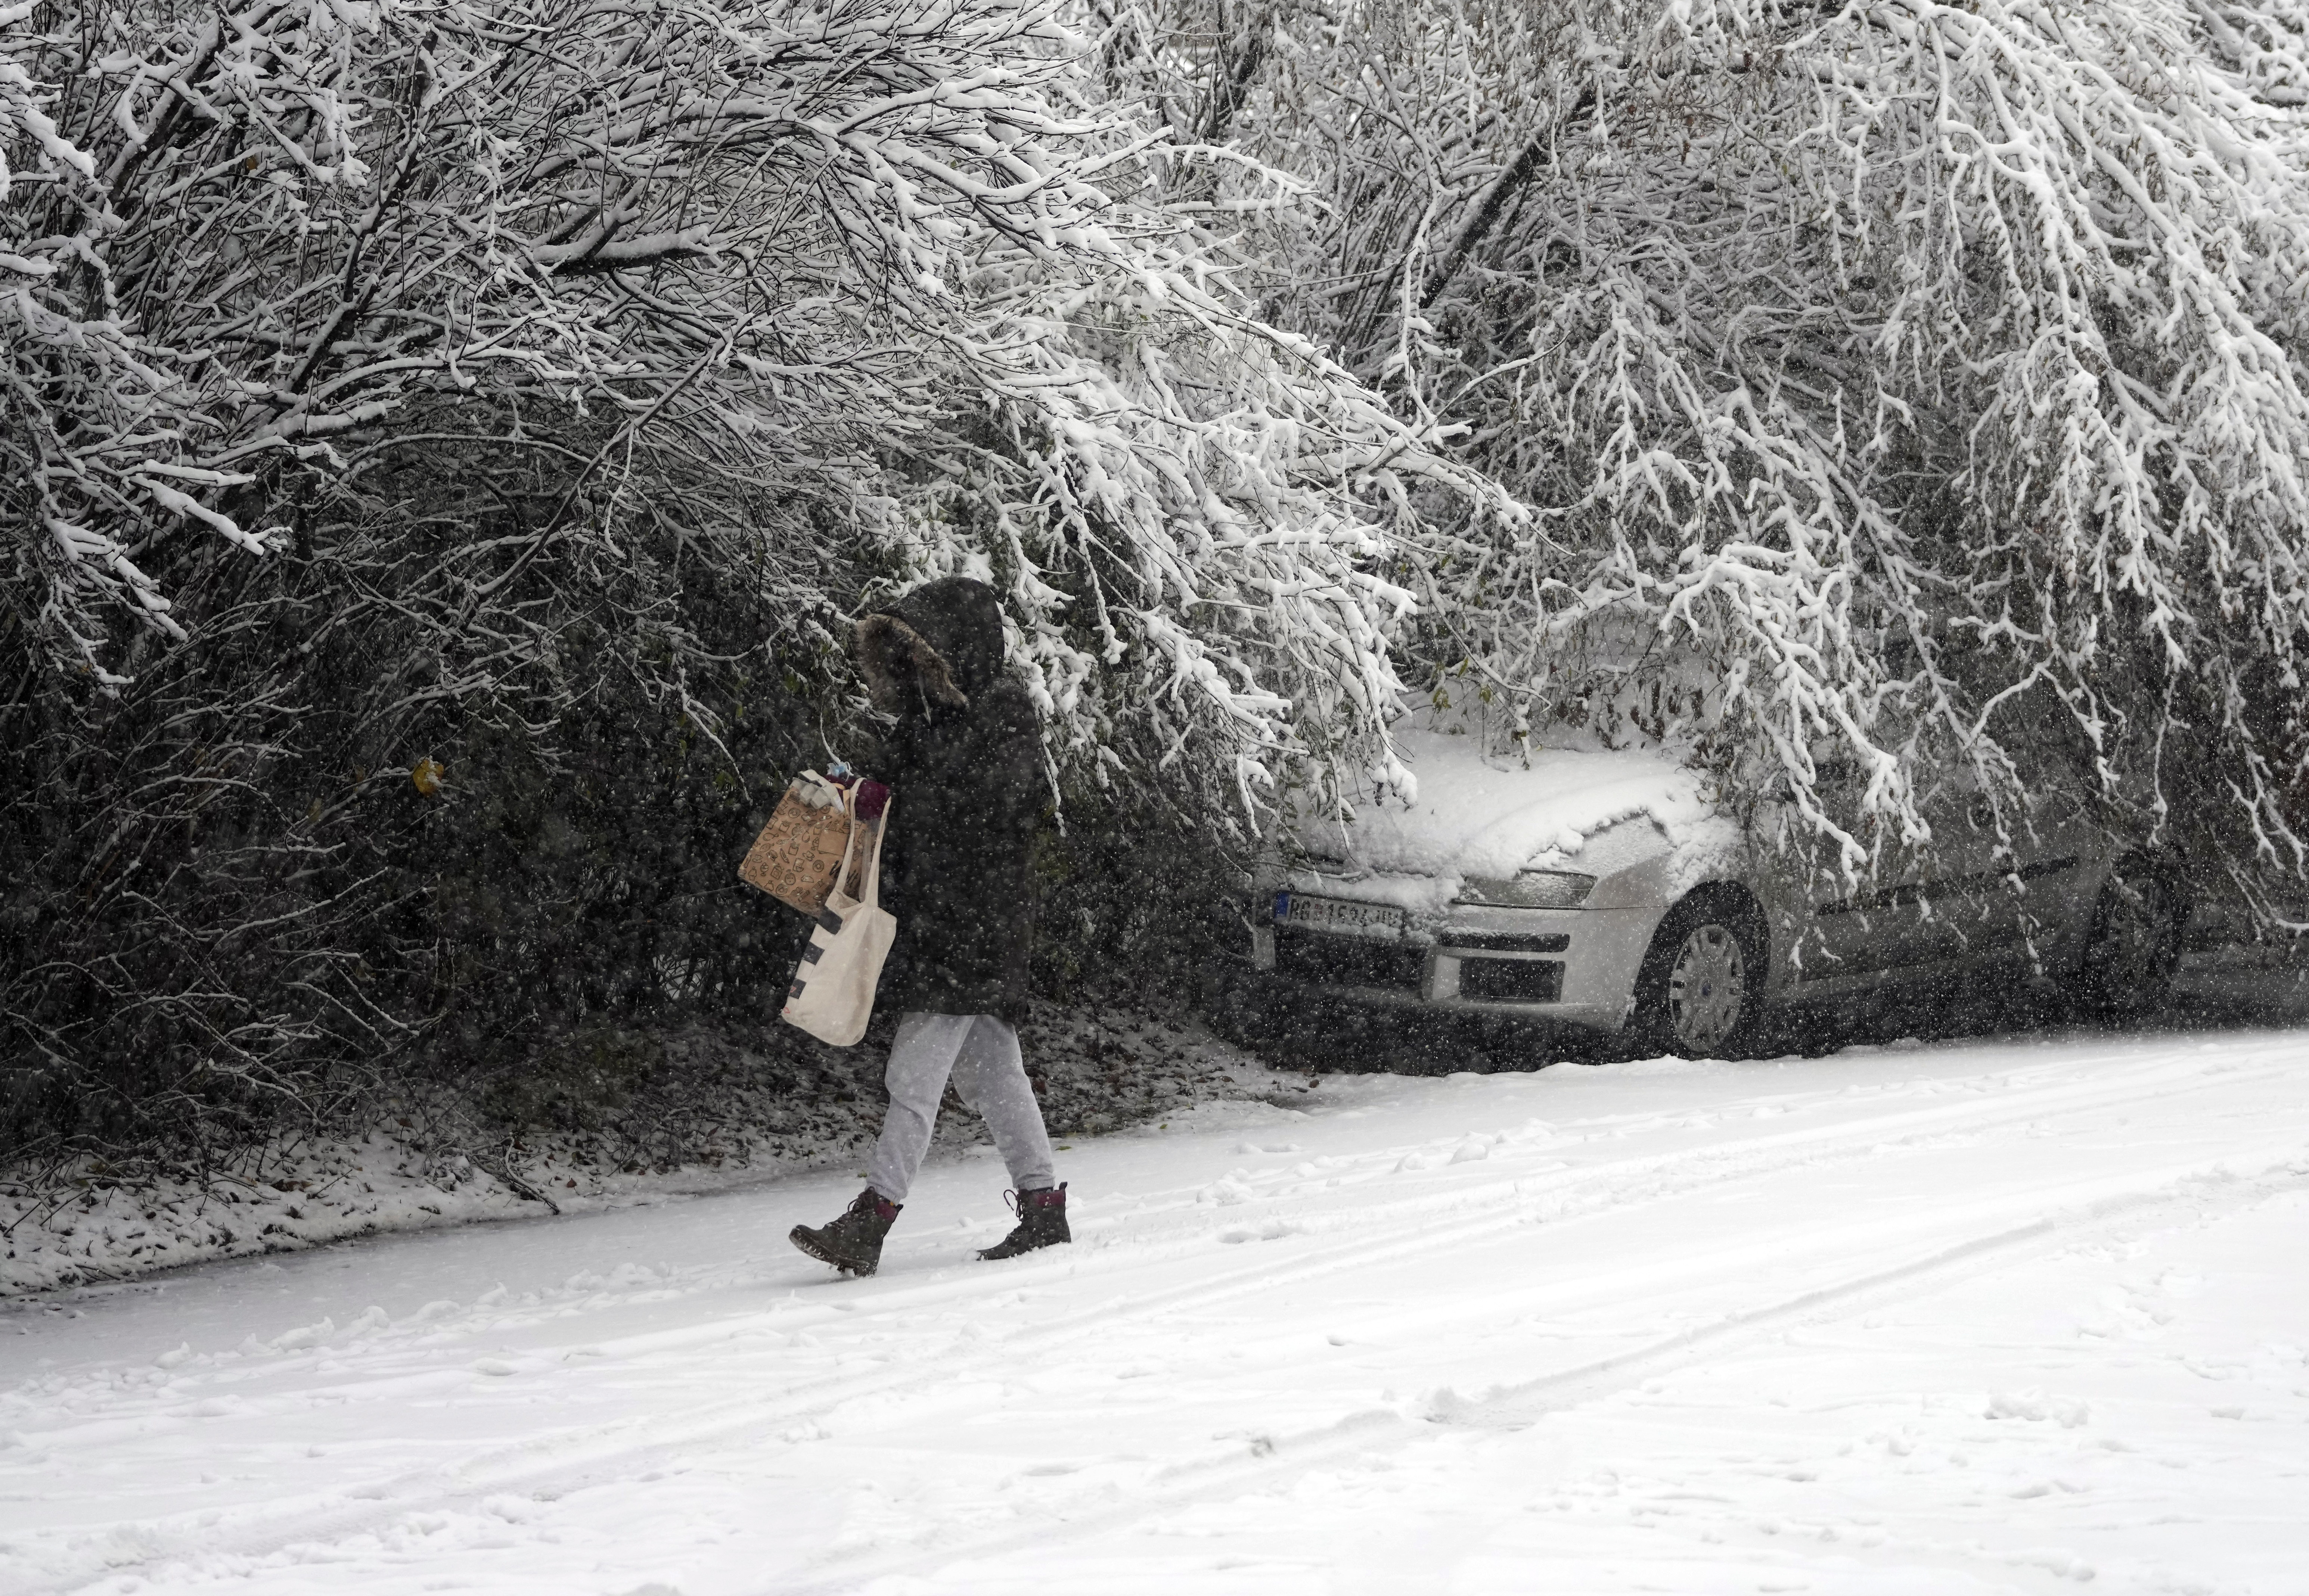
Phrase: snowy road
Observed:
(1967, 1318)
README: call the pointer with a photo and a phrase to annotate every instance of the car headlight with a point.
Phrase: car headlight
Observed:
(1529, 889)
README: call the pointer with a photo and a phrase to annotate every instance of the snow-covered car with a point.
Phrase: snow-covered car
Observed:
(1613, 892)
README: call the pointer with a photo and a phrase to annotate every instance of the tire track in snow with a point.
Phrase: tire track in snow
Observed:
(600, 1455)
(1610, 1193)
(1269, 1462)
(1561, 1195)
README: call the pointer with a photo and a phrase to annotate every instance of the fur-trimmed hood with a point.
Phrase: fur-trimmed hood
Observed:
(940, 646)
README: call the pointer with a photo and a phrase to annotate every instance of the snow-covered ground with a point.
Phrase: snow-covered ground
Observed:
(2012, 1316)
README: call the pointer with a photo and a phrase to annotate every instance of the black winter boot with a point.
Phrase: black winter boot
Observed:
(1041, 1222)
(853, 1242)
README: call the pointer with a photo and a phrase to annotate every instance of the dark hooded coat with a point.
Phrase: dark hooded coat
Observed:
(965, 759)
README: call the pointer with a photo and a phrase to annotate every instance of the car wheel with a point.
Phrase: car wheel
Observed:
(2133, 949)
(1701, 992)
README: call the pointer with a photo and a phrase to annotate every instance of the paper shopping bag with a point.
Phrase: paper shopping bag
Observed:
(795, 857)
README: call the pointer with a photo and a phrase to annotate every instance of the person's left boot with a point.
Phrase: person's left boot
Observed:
(851, 1243)
(1041, 1222)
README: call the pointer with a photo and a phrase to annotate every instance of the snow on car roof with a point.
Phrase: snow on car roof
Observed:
(1479, 813)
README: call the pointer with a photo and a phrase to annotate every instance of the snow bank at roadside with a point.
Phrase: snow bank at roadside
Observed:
(1097, 1071)
(90, 1226)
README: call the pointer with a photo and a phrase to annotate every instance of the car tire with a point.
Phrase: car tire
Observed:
(1700, 992)
(2132, 949)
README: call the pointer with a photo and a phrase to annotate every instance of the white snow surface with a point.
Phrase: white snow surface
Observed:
(1486, 813)
(2015, 1315)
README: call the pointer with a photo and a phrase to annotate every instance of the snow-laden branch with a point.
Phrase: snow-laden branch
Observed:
(888, 251)
(1906, 383)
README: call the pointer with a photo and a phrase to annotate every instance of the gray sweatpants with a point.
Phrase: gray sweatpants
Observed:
(981, 1052)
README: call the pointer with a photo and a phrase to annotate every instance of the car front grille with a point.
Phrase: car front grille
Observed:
(1506, 942)
(1511, 980)
(1349, 960)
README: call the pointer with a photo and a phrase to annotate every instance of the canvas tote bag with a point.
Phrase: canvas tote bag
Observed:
(833, 992)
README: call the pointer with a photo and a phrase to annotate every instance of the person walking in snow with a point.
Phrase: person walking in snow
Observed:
(965, 760)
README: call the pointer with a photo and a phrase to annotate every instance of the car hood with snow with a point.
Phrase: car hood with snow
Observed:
(1481, 816)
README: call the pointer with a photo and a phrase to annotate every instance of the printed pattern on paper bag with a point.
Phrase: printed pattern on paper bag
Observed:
(799, 852)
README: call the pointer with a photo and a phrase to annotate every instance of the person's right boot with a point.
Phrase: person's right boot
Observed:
(851, 1243)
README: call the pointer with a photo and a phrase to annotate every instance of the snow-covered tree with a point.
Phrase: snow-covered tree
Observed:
(537, 379)
(1910, 382)
(873, 259)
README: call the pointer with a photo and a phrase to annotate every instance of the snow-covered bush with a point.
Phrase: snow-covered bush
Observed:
(1902, 381)
(532, 389)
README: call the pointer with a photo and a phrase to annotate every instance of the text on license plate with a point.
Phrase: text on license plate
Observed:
(1336, 914)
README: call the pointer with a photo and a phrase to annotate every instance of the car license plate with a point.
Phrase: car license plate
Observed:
(1337, 914)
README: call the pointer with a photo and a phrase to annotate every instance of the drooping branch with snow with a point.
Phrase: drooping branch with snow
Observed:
(1897, 381)
(793, 247)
